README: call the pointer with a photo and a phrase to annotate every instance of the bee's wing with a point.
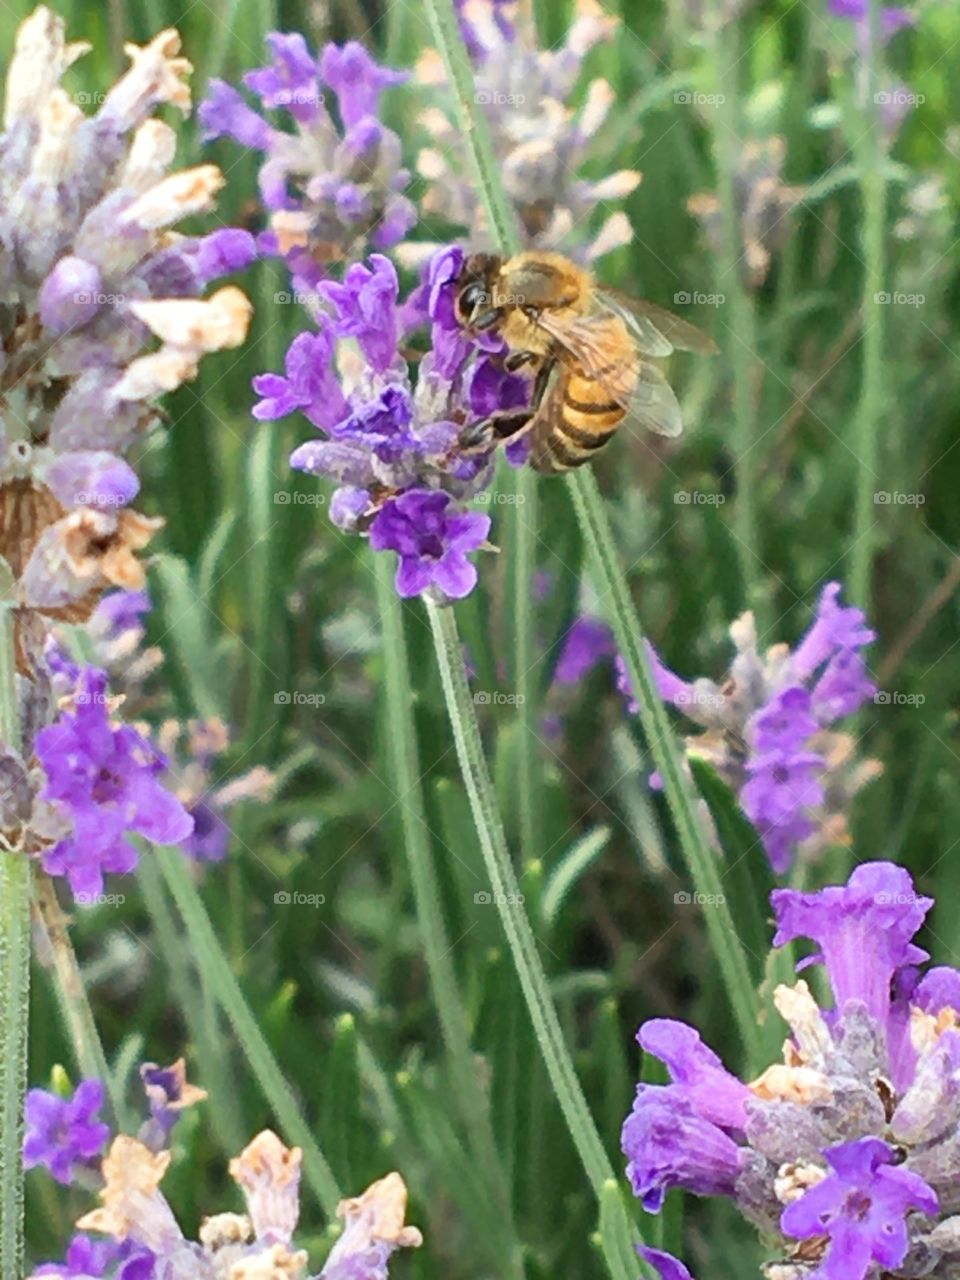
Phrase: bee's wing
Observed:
(634, 383)
(677, 333)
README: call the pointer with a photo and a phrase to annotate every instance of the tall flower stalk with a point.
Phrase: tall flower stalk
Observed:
(871, 163)
(14, 987)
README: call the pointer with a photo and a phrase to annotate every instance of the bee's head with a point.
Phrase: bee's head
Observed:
(475, 307)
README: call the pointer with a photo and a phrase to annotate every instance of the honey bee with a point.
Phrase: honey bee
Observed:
(592, 351)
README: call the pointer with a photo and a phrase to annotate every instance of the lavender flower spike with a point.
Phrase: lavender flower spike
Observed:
(330, 191)
(93, 274)
(845, 1155)
(768, 727)
(540, 141)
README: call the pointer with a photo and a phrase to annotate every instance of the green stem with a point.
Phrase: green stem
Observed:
(216, 969)
(743, 337)
(72, 995)
(523, 529)
(873, 184)
(404, 754)
(702, 862)
(14, 987)
(506, 889)
(204, 1028)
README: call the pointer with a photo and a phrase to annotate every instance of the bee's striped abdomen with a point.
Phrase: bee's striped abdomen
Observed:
(588, 419)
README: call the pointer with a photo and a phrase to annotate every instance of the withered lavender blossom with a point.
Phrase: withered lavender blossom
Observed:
(844, 1155)
(540, 140)
(256, 1245)
(764, 203)
(91, 274)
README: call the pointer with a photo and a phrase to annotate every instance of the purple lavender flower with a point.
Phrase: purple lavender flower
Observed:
(432, 540)
(768, 727)
(87, 1258)
(892, 18)
(394, 446)
(330, 190)
(102, 783)
(92, 275)
(541, 142)
(168, 1094)
(846, 1151)
(587, 643)
(862, 1206)
(666, 1265)
(62, 1133)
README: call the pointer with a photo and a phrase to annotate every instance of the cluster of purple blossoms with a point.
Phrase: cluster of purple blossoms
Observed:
(63, 1134)
(330, 189)
(846, 1153)
(539, 140)
(92, 274)
(768, 727)
(392, 446)
(103, 782)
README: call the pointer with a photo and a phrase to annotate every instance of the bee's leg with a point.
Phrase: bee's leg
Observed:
(483, 435)
(508, 424)
(517, 359)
